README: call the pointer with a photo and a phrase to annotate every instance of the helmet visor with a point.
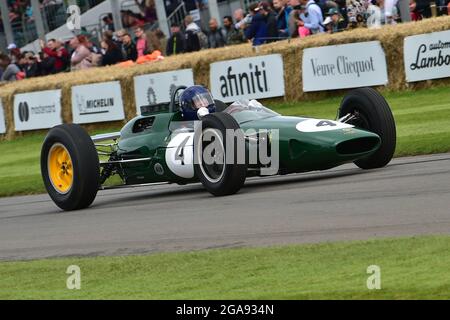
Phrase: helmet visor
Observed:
(203, 99)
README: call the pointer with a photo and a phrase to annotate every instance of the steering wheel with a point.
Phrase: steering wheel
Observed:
(173, 98)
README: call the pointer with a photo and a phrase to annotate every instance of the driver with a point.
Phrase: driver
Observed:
(194, 98)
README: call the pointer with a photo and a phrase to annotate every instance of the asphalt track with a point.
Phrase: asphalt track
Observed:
(409, 197)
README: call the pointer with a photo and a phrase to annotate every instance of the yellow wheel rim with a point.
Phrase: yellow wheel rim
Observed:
(60, 169)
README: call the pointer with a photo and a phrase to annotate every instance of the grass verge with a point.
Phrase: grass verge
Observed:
(411, 268)
(422, 118)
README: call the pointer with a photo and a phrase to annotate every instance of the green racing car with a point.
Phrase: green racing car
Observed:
(195, 138)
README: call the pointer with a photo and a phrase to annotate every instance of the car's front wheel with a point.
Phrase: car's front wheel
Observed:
(219, 176)
(367, 109)
(70, 167)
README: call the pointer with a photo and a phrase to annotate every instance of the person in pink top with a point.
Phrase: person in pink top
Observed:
(81, 56)
(141, 42)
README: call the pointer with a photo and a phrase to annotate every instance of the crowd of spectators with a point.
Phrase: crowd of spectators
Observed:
(264, 22)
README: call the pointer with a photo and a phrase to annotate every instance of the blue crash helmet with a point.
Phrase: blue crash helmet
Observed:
(192, 99)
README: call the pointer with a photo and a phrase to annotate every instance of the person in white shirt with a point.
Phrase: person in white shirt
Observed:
(312, 18)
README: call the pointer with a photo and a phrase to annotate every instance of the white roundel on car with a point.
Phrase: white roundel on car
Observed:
(180, 155)
(319, 125)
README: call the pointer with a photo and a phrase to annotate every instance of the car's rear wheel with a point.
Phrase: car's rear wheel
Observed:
(219, 176)
(367, 109)
(70, 167)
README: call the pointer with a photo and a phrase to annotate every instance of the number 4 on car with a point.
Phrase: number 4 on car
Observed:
(188, 141)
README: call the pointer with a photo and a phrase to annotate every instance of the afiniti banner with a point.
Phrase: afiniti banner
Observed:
(248, 78)
(150, 89)
(344, 66)
(37, 110)
(97, 102)
(427, 56)
(2, 119)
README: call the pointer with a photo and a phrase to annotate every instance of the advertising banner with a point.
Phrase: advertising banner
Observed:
(37, 110)
(427, 56)
(97, 102)
(248, 78)
(150, 89)
(344, 66)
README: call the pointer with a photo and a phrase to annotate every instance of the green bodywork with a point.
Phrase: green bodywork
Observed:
(298, 151)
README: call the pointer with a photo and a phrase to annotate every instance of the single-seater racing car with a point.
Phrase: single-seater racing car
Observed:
(195, 138)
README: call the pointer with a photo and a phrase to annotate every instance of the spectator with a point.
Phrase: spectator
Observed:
(57, 51)
(390, 11)
(129, 48)
(175, 44)
(215, 36)
(108, 23)
(191, 37)
(10, 69)
(117, 37)
(22, 63)
(257, 30)
(423, 7)
(239, 16)
(301, 30)
(131, 19)
(282, 10)
(31, 67)
(271, 21)
(158, 41)
(111, 53)
(147, 9)
(108, 34)
(242, 21)
(334, 22)
(415, 14)
(232, 35)
(14, 52)
(46, 64)
(312, 18)
(142, 43)
(81, 55)
(294, 15)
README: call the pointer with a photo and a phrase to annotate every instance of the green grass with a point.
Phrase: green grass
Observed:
(422, 117)
(411, 268)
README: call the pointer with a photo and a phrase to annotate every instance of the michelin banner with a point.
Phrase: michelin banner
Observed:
(248, 78)
(2, 119)
(97, 102)
(37, 110)
(427, 56)
(150, 89)
(344, 66)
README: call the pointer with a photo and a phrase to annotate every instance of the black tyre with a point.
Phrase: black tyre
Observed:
(219, 177)
(70, 167)
(371, 112)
